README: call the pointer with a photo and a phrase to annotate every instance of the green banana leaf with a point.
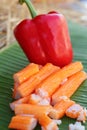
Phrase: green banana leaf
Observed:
(12, 59)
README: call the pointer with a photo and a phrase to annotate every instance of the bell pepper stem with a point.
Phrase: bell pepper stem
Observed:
(30, 7)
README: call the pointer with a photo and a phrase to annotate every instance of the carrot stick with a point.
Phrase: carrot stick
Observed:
(35, 110)
(50, 84)
(47, 123)
(29, 86)
(70, 86)
(61, 108)
(76, 111)
(19, 101)
(26, 73)
(23, 122)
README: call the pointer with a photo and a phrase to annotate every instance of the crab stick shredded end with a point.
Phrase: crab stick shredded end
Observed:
(76, 126)
(26, 73)
(44, 101)
(30, 85)
(61, 108)
(23, 122)
(77, 112)
(36, 99)
(47, 123)
(70, 86)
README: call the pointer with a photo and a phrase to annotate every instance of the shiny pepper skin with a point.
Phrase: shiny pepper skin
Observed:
(45, 38)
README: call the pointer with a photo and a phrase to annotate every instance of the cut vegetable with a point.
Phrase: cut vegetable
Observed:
(70, 86)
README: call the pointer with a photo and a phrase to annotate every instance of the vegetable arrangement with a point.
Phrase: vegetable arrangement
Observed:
(45, 38)
(42, 97)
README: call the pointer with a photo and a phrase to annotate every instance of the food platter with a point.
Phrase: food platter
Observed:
(12, 59)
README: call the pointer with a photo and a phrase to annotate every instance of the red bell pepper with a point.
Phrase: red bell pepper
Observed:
(45, 38)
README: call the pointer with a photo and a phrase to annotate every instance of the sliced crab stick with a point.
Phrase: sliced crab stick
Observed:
(70, 86)
(47, 123)
(61, 108)
(26, 73)
(76, 111)
(29, 86)
(50, 84)
(19, 101)
(23, 122)
(32, 109)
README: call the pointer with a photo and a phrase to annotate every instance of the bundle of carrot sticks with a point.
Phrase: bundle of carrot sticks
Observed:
(42, 95)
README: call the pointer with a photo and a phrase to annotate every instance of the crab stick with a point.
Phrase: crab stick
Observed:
(29, 86)
(32, 109)
(77, 112)
(51, 84)
(61, 108)
(23, 122)
(47, 123)
(26, 73)
(70, 86)
(19, 101)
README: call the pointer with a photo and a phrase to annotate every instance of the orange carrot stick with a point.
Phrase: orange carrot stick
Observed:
(76, 111)
(47, 123)
(19, 101)
(23, 122)
(35, 110)
(29, 86)
(61, 108)
(26, 73)
(70, 86)
(50, 84)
